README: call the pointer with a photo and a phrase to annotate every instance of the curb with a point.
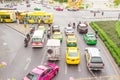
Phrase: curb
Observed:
(15, 29)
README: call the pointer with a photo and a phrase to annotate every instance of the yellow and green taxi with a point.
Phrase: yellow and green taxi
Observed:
(71, 40)
(42, 28)
(72, 55)
(90, 39)
(57, 35)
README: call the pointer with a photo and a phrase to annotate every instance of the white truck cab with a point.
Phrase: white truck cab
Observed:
(53, 49)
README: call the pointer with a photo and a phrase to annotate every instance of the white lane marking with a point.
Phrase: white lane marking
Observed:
(4, 44)
(43, 58)
(28, 60)
(65, 68)
(79, 68)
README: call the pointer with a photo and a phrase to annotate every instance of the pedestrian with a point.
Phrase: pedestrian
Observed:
(118, 16)
(48, 34)
(96, 33)
(94, 14)
(102, 13)
(74, 25)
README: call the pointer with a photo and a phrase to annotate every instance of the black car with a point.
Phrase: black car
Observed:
(82, 28)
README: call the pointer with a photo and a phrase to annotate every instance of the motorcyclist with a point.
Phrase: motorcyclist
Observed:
(26, 42)
(28, 37)
(69, 24)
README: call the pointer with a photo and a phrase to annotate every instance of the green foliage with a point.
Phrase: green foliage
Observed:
(116, 2)
(112, 47)
(61, 1)
(117, 27)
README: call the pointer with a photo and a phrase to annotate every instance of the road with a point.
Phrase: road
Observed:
(22, 60)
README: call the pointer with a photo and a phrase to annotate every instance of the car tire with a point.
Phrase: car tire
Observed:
(50, 51)
(56, 72)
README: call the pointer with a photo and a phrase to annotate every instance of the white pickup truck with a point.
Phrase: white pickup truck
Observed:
(53, 49)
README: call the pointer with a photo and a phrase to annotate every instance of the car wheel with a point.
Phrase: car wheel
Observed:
(56, 72)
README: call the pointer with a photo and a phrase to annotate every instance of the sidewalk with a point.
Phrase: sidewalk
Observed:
(19, 27)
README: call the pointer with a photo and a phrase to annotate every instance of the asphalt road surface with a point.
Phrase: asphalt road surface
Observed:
(22, 60)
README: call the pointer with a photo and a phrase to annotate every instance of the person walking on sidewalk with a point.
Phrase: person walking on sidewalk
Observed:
(94, 14)
(96, 33)
(102, 13)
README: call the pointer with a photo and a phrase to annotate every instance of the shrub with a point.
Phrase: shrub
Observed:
(112, 47)
(117, 28)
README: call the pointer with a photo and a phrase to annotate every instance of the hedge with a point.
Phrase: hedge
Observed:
(117, 28)
(114, 50)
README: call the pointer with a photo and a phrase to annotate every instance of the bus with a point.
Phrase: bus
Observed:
(38, 38)
(7, 16)
(37, 17)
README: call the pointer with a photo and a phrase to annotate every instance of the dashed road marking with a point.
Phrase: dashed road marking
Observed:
(28, 60)
(65, 68)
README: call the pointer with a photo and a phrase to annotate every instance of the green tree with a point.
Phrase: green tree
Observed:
(116, 2)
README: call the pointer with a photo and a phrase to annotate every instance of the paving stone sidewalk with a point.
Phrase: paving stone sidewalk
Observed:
(19, 27)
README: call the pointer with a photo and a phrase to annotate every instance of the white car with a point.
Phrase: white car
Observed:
(69, 30)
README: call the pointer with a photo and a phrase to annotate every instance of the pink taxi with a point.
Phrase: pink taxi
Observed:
(43, 72)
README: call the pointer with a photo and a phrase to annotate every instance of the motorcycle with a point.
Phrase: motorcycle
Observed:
(25, 42)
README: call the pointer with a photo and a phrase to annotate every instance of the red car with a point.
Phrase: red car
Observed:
(43, 72)
(59, 9)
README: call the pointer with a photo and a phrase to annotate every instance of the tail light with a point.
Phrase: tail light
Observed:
(68, 59)
(77, 59)
(103, 65)
(88, 64)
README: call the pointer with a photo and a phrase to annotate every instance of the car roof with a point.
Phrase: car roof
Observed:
(69, 27)
(55, 26)
(82, 24)
(94, 52)
(38, 71)
(53, 42)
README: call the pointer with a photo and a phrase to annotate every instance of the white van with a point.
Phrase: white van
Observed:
(38, 38)
(94, 59)
(53, 49)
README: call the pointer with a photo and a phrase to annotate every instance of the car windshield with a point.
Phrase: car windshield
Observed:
(56, 35)
(69, 29)
(71, 39)
(83, 26)
(91, 37)
(32, 76)
(96, 60)
(73, 53)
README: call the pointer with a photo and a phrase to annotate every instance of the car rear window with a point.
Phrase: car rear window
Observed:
(96, 60)
(73, 53)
